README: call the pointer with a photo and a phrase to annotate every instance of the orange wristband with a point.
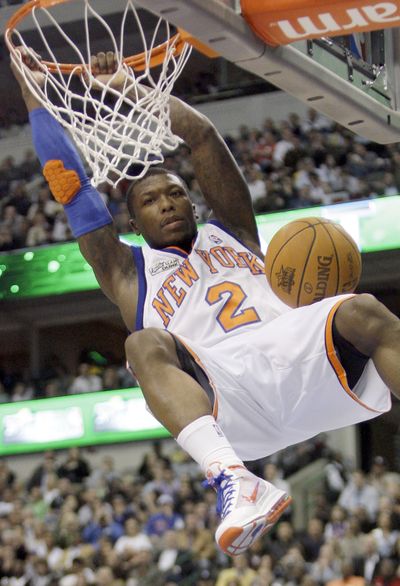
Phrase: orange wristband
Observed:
(64, 183)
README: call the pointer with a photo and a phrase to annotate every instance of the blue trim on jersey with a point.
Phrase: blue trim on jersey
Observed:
(174, 250)
(225, 229)
(142, 285)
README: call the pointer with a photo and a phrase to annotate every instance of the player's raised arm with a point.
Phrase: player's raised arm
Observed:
(218, 174)
(88, 216)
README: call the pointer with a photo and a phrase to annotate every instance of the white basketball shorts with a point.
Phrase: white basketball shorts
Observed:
(282, 382)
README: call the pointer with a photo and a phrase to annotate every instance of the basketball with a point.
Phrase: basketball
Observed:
(310, 259)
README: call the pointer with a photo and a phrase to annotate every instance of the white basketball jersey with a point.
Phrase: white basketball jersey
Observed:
(278, 384)
(216, 291)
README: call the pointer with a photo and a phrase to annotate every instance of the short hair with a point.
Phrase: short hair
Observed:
(153, 171)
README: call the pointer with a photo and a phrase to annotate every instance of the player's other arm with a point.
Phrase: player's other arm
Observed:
(218, 174)
(90, 221)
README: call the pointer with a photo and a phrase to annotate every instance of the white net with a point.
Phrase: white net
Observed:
(120, 124)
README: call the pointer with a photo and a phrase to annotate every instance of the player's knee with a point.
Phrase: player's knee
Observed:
(149, 347)
(365, 322)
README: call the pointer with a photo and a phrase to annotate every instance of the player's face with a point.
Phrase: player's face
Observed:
(164, 214)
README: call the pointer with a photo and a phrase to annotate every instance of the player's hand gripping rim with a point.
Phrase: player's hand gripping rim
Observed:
(31, 60)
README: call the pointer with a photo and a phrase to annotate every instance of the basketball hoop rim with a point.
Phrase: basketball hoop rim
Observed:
(137, 62)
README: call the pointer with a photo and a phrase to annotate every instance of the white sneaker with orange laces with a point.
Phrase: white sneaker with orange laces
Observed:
(248, 506)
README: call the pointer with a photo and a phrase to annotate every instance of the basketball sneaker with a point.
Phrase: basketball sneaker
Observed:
(248, 506)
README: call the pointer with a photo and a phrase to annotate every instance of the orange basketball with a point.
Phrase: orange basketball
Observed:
(310, 259)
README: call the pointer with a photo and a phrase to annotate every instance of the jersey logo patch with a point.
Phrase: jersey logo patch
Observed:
(215, 239)
(163, 265)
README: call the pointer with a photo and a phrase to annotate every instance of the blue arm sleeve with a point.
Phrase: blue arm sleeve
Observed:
(52, 143)
(87, 211)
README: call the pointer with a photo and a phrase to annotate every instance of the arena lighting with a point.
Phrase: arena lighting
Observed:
(59, 269)
(76, 420)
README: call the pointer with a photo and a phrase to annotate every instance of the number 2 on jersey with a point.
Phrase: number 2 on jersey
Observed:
(231, 316)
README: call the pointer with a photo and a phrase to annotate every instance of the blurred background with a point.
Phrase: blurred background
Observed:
(92, 490)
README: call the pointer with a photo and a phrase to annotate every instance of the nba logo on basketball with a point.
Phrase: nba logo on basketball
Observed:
(286, 278)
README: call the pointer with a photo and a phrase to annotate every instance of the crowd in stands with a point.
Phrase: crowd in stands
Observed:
(292, 164)
(74, 524)
(55, 380)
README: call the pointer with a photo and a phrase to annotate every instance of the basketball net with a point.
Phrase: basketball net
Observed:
(115, 125)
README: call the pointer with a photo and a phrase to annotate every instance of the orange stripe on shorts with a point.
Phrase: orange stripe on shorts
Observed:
(333, 357)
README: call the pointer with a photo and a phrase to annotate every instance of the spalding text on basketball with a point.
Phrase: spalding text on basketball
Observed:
(324, 269)
(384, 13)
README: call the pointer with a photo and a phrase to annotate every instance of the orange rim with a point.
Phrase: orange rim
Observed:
(137, 62)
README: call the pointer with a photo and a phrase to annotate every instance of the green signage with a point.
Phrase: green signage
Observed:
(76, 420)
(58, 269)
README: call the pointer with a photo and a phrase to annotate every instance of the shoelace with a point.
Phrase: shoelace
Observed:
(225, 494)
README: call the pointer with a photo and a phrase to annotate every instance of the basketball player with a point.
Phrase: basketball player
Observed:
(228, 369)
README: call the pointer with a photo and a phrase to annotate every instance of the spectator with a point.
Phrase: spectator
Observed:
(171, 554)
(134, 539)
(105, 577)
(18, 196)
(283, 146)
(359, 494)
(110, 378)
(41, 472)
(163, 481)
(386, 574)
(29, 166)
(335, 478)
(384, 535)
(239, 572)
(7, 476)
(389, 183)
(85, 381)
(283, 540)
(104, 474)
(12, 220)
(39, 232)
(327, 566)
(61, 230)
(335, 529)
(21, 392)
(348, 577)
(367, 564)
(315, 121)
(7, 241)
(351, 544)
(164, 518)
(256, 184)
(274, 475)
(75, 468)
(52, 389)
(100, 526)
(312, 540)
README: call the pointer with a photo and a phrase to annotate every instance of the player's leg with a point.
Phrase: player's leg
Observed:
(152, 355)
(178, 396)
(375, 332)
